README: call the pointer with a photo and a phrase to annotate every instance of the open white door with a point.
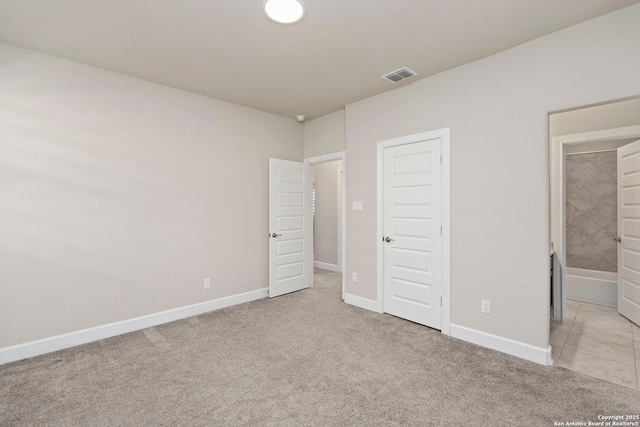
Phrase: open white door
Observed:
(629, 231)
(412, 231)
(290, 226)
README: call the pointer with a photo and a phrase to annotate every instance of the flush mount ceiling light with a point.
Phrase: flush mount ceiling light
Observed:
(284, 11)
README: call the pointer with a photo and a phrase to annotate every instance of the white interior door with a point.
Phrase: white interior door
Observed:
(412, 232)
(629, 231)
(290, 226)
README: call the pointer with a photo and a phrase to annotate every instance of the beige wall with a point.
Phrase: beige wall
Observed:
(325, 220)
(324, 135)
(497, 109)
(606, 116)
(119, 196)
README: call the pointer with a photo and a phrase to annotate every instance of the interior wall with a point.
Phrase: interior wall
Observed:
(596, 117)
(497, 110)
(325, 135)
(120, 196)
(325, 219)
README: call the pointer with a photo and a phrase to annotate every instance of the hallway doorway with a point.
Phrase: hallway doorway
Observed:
(329, 213)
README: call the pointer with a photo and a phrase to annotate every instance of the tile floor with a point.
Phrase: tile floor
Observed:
(596, 341)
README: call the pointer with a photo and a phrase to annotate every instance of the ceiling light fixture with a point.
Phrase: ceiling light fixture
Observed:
(284, 11)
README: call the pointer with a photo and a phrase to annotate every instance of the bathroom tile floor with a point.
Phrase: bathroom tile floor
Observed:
(596, 341)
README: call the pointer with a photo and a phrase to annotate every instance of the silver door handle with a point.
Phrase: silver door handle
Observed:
(275, 234)
(388, 239)
(617, 239)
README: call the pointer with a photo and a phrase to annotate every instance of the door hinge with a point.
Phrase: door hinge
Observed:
(440, 301)
(441, 230)
(440, 158)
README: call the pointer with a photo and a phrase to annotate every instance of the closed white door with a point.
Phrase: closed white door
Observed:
(629, 231)
(290, 226)
(412, 239)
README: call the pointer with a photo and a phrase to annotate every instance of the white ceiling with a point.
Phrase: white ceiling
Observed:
(228, 49)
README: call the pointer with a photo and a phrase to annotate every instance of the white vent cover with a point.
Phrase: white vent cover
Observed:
(399, 74)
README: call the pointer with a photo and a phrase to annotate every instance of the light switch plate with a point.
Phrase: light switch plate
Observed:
(357, 206)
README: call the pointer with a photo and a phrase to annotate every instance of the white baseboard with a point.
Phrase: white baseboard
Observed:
(327, 266)
(505, 345)
(367, 304)
(595, 287)
(71, 339)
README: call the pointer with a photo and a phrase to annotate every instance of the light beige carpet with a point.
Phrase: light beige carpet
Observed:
(303, 359)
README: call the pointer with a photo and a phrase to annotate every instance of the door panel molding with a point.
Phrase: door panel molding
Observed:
(444, 136)
(290, 226)
(629, 231)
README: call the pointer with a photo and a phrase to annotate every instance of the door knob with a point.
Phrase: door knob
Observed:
(275, 234)
(617, 239)
(388, 239)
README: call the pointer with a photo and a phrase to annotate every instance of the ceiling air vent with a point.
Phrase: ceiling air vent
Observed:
(399, 74)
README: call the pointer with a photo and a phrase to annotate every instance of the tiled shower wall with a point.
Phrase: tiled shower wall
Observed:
(591, 180)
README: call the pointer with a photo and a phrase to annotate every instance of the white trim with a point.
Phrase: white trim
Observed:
(592, 152)
(339, 216)
(324, 158)
(326, 266)
(600, 135)
(444, 136)
(446, 237)
(339, 155)
(367, 304)
(595, 287)
(558, 218)
(72, 339)
(515, 348)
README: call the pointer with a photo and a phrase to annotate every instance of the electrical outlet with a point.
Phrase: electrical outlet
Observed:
(486, 306)
(207, 282)
(354, 277)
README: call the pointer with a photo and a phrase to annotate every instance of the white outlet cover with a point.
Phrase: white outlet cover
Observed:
(207, 282)
(486, 306)
(354, 277)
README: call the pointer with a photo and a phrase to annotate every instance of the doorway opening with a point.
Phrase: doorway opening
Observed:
(329, 216)
(581, 160)
(586, 333)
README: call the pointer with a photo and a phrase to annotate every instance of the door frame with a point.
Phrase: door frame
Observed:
(444, 136)
(558, 217)
(331, 157)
